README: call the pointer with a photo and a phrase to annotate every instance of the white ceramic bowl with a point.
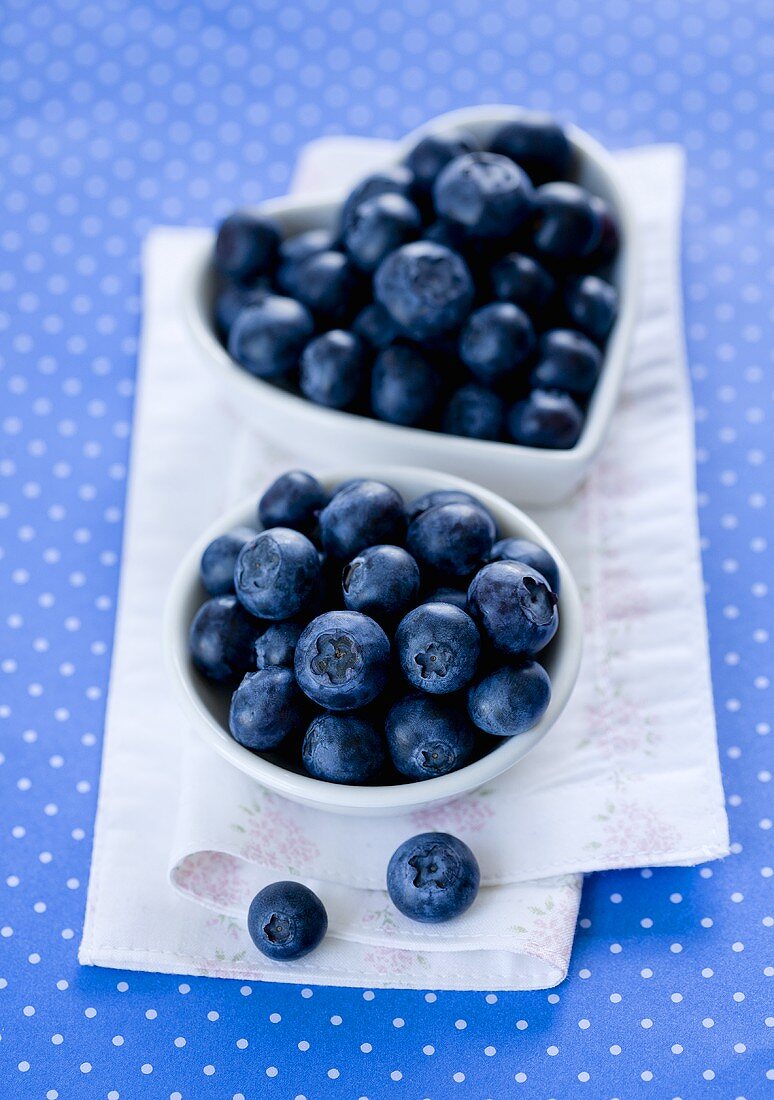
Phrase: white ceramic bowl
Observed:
(206, 704)
(523, 474)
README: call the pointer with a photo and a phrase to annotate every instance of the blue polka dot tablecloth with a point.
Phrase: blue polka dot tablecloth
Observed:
(115, 116)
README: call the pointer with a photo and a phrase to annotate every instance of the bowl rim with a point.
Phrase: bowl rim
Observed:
(603, 400)
(366, 800)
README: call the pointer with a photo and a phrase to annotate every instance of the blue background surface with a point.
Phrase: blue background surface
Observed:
(114, 116)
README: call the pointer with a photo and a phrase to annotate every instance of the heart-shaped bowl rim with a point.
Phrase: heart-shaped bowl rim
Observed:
(539, 476)
(186, 594)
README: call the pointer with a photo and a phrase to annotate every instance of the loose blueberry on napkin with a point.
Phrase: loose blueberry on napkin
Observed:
(366, 641)
(466, 291)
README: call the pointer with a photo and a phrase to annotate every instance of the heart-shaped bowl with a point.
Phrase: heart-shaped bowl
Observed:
(524, 474)
(206, 704)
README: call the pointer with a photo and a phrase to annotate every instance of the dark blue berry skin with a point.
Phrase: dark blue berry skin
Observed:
(246, 246)
(277, 645)
(286, 921)
(567, 361)
(343, 748)
(230, 300)
(433, 877)
(606, 250)
(221, 639)
(510, 701)
(277, 573)
(449, 234)
(426, 288)
(486, 193)
(362, 513)
(514, 607)
(265, 708)
(528, 553)
(448, 496)
(497, 339)
(382, 581)
(333, 368)
(331, 287)
(546, 419)
(405, 387)
(566, 224)
(397, 180)
(437, 646)
(378, 226)
(521, 280)
(451, 539)
(375, 326)
(475, 412)
(293, 252)
(293, 500)
(592, 305)
(538, 144)
(427, 737)
(216, 568)
(452, 596)
(342, 660)
(267, 337)
(432, 153)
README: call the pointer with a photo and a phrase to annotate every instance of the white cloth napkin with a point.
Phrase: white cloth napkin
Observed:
(629, 776)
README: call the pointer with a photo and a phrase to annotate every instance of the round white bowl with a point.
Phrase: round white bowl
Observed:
(206, 704)
(523, 474)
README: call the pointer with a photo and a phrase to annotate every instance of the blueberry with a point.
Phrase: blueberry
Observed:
(246, 245)
(276, 573)
(476, 412)
(433, 152)
(277, 645)
(221, 638)
(342, 660)
(216, 568)
(382, 581)
(609, 240)
(230, 300)
(294, 250)
(265, 708)
(428, 737)
(496, 340)
(343, 748)
(361, 513)
(566, 224)
(377, 227)
(484, 192)
(433, 877)
(267, 337)
(567, 361)
(333, 368)
(528, 553)
(521, 280)
(449, 234)
(510, 701)
(293, 500)
(546, 419)
(330, 286)
(375, 326)
(286, 920)
(514, 607)
(452, 539)
(405, 387)
(451, 596)
(396, 180)
(538, 144)
(448, 496)
(592, 304)
(437, 646)
(425, 287)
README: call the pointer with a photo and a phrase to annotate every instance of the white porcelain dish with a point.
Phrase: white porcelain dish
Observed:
(206, 705)
(522, 474)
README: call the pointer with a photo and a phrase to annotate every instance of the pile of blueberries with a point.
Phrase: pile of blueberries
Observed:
(466, 291)
(364, 640)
